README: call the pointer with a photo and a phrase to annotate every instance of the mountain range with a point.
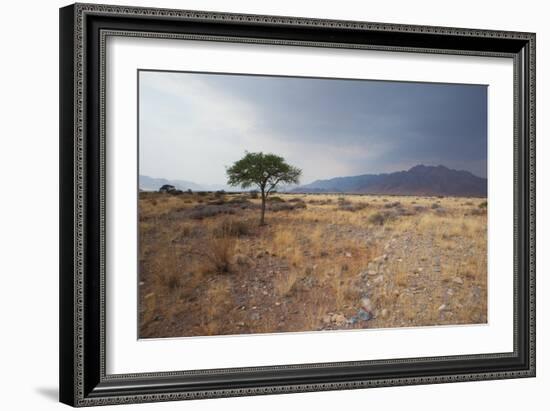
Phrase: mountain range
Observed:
(147, 183)
(418, 180)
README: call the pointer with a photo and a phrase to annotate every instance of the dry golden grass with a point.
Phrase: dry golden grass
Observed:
(308, 268)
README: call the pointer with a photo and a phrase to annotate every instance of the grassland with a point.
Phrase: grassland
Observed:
(322, 262)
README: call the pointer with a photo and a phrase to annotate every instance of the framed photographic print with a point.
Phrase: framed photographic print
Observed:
(261, 204)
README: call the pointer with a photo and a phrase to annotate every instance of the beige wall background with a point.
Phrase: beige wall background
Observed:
(29, 204)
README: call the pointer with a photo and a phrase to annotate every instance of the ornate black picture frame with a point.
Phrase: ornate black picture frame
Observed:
(83, 30)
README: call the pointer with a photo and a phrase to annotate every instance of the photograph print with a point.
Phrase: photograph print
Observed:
(273, 204)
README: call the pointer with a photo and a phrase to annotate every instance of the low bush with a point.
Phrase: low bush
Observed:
(231, 227)
(238, 200)
(287, 206)
(419, 208)
(378, 218)
(349, 206)
(295, 200)
(220, 252)
(392, 204)
(475, 211)
(320, 202)
(217, 201)
(204, 211)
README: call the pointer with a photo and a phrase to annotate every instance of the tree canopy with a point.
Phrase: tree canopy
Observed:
(264, 171)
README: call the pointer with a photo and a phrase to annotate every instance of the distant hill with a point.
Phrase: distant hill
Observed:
(147, 183)
(419, 180)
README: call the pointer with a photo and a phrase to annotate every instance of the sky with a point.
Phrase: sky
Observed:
(194, 125)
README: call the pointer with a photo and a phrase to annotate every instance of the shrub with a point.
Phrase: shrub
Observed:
(377, 218)
(343, 201)
(435, 206)
(402, 211)
(275, 199)
(483, 204)
(419, 209)
(287, 206)
(232, 228)
(476, 211)
(320, 202)
(393, 204)
(253, 194)
(349, 206)
(204, 211)
(220, 253)
(217, 201)
(295, 200)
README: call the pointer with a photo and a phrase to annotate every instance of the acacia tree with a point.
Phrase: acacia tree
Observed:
(264, 171)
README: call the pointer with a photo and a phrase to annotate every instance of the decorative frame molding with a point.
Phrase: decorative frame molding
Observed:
(83, 32)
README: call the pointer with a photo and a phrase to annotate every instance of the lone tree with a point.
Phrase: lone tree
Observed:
(264, 171)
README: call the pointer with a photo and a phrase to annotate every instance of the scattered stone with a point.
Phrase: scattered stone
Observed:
(366, 303)
(381, 258)
(442, 307)
(265, 292)
(384, 313)
(255, 316)
(277, 303)
(450, 292)
(348, 255)
(338, 319)
(458, 280)
(364, 315)
(241, 324)
(327, 319)
(378, 279)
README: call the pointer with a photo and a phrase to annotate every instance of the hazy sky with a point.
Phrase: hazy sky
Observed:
(194, 125)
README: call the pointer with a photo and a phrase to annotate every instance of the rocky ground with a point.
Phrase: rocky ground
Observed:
(321, 264)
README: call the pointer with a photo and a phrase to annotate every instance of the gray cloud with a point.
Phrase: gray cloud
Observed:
(193, 125)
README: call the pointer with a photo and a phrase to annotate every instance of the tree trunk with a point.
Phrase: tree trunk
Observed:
(262, 218)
